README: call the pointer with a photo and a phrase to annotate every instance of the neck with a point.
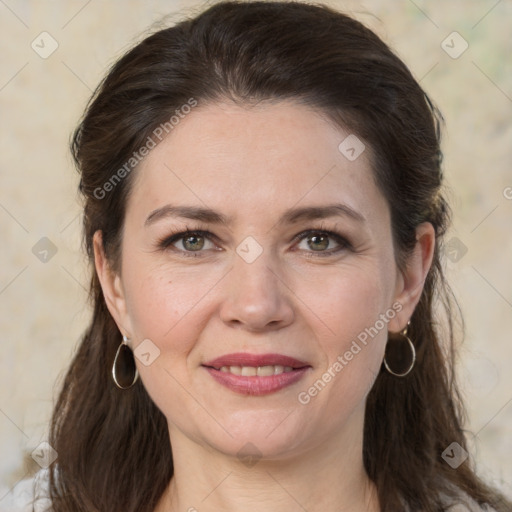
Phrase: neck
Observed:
(321, 479)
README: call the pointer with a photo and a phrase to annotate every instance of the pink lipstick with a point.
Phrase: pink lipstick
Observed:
(256, 374)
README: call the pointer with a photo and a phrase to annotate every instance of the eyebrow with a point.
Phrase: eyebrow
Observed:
(291, 216)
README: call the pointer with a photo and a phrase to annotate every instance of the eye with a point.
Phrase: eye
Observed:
(315, 242)
(188, 242)
(193, 241)
(318, 241)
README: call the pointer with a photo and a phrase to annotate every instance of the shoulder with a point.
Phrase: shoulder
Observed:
(28, 495)
(457, 500)
(464, 503)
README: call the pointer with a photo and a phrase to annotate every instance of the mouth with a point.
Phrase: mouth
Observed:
(256, 374)
(256, 371)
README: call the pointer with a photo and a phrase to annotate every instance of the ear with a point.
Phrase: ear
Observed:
(112, 287)
(410, 282)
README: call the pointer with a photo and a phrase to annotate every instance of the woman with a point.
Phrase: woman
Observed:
(264, 212)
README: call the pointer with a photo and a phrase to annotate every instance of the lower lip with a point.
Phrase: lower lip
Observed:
(257, 385)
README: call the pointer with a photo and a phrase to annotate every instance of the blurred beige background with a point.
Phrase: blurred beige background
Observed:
(43, 308)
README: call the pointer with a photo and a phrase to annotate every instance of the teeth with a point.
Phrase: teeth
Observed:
(265, 371)
(236, 370)
(253, 371)
(249, 371)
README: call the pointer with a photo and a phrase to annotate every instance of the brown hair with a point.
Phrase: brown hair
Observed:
(113, 445)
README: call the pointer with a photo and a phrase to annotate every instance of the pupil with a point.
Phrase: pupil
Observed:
(193, 246)
(323, 238)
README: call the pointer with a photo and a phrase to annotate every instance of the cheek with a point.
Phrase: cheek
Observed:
(356, 311)
(334, 306)
(171, 307)
(350, 302)
(163, 306)
(159, 298)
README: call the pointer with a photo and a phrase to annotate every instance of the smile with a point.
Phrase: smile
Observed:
(254, 374)
(252, 371)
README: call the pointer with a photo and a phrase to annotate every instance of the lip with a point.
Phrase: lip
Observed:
(246, 359)
(255, 385)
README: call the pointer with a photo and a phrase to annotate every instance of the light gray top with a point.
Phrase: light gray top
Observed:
(28, 495)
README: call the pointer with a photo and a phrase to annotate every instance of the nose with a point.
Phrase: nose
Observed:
(257, 298)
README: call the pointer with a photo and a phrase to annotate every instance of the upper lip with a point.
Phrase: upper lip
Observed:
(246, 359)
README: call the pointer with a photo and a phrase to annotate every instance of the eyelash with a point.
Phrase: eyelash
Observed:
(166, 242)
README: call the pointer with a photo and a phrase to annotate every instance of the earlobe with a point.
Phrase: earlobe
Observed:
(411, 280)
(111, 285)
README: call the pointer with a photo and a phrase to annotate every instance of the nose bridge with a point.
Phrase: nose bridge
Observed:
(254, 272)
(256, 295)
(255, 268)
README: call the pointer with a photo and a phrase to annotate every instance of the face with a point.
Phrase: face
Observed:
(289, 255)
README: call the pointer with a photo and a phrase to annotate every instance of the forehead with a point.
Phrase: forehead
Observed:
(267, 158)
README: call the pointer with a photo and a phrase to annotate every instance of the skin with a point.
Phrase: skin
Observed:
(253, 164)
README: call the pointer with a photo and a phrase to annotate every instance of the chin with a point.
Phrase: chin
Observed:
(275, 434)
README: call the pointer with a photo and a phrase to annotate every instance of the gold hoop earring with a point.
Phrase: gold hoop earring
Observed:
(124, 370)
(402, 364)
